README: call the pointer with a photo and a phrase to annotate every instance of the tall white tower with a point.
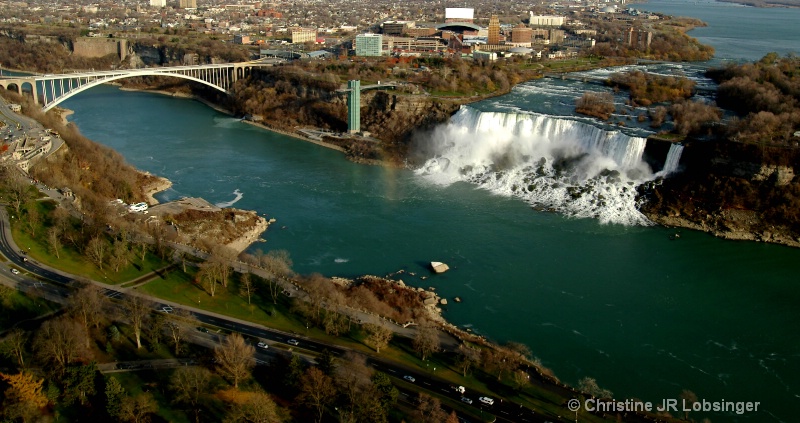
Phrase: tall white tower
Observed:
(158, 3)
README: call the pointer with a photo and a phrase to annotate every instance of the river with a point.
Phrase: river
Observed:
(606, 296)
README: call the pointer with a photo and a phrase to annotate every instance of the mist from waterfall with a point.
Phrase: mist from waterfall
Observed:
(561, 165)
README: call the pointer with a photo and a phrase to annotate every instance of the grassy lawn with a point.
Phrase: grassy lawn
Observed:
(16, 306)
(70, 260)
(179, 287)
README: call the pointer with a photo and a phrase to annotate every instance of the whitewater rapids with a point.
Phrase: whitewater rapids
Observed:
(554, 164)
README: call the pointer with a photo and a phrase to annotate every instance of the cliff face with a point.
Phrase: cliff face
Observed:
(287, 99)
(735, 191)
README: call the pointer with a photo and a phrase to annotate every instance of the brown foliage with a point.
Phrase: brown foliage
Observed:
(694, 117)
(599, 105)
(646, 88)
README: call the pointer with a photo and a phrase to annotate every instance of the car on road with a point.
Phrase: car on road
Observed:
(293, 342)
(486, 400)
(15, 271)
(202, 329)
(466, 400)
(262, 345)
(409, 378)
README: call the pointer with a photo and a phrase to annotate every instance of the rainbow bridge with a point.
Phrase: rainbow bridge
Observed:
(52, 89)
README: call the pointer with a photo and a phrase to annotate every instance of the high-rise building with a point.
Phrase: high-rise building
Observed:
(494, 31)
(544, 20)
(638, 38)
(158, 3)
(354, 106)
(368, 44)
(187, 4)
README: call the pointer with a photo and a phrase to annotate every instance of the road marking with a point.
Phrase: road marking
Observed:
(393, 371)
(426, 383)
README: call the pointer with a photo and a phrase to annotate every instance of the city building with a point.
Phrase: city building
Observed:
(158, 3)
(241, 39)
(494, 31)
(303, 35)
(546, 20)
(638, 38)
(187, 4)
(396, 28)
(354, 106)
(521, 36)
(489, 56)
(369, 44)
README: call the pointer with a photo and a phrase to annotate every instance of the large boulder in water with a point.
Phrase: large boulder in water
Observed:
(439, 267)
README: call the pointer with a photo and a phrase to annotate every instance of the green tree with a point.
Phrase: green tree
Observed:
(115, 393)
(78, 383)
(326, 362)
(295, 372)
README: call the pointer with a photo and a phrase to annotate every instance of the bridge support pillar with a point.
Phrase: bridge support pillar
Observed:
(354, 106)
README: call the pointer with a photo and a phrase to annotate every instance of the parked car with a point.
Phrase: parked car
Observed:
(293, 342)
(202, 329)
(486, 400)
(409, 378)
(262, 345)
(466, 400)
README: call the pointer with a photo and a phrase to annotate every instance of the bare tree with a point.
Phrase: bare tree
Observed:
(88, 305)
(279, 266)
(426, 341)
(61, 341)
(207, 276)
(13, 345)
(468, 357)
(33, 218)
(429, 409)
(189, 385)
(18, 188)
(177, 323)
(221, 258)
(138, 409)
(119, 254)
(378, 336)
(246, 286)
(235, 358)
(54, 240)
(136, 310)
(254, 407)
(353, 378)
(97, 250)
(316, 390)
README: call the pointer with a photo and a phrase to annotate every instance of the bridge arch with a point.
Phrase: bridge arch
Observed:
(13, 87)
(154, 72)
(26, 88)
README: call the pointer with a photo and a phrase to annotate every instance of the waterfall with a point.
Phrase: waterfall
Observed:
(556, 164)
(673, 159)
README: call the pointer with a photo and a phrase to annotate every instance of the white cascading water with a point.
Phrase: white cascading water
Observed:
(673, 158)
(555, 164)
